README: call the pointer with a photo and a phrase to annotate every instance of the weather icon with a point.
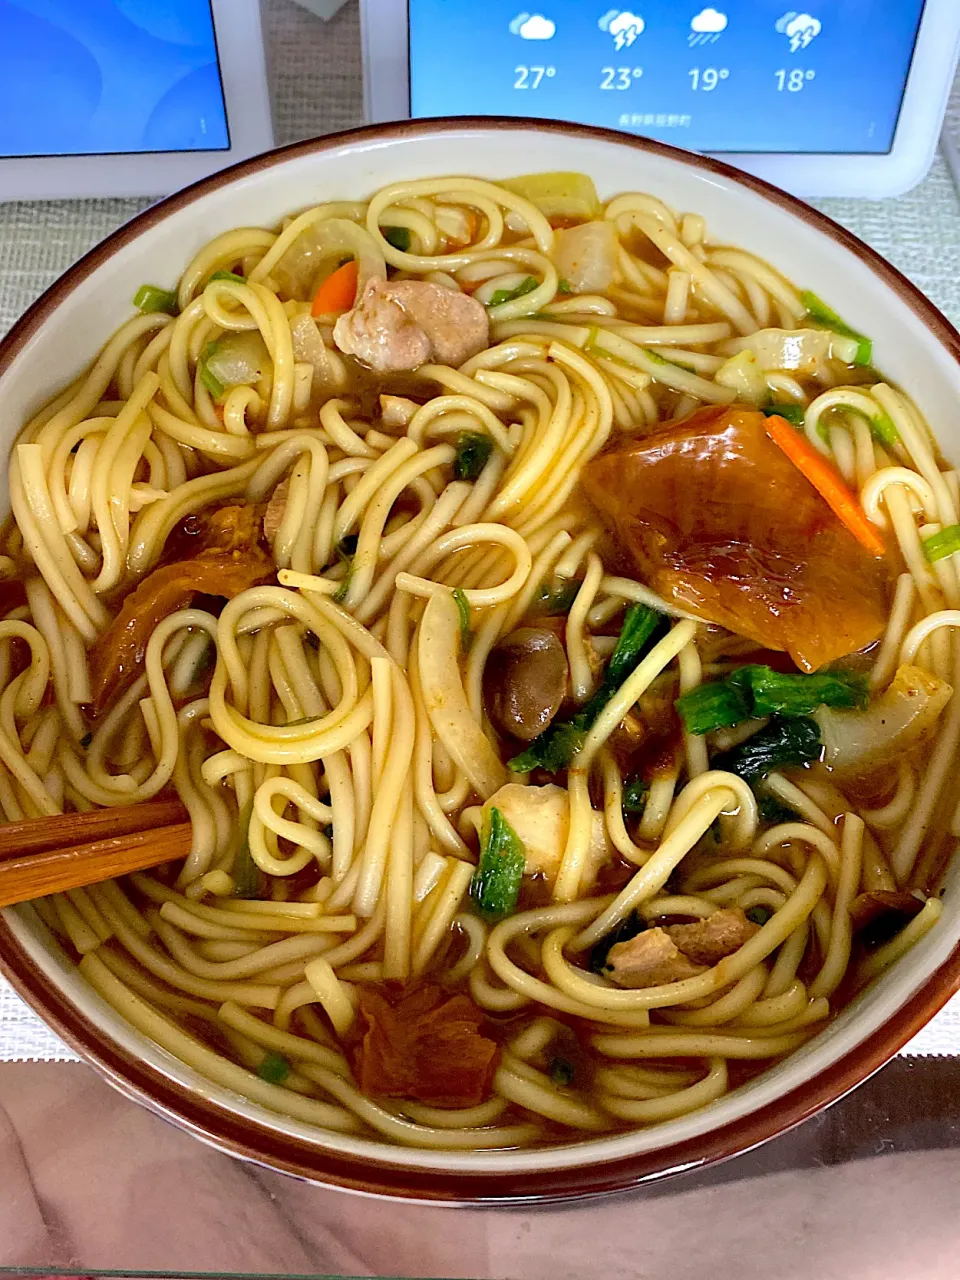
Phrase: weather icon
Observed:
(623, 25)
(706, 27)
(799, 28)
(533, 26)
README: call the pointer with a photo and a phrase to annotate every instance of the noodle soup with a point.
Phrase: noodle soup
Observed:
(543, 613)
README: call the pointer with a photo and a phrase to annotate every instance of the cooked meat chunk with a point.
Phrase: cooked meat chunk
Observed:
(651, 959)
(401, 325)
(718, 519)
(273, 516)
(708, 941)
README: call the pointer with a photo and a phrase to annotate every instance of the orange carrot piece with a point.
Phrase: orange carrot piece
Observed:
(338, 291)
(824, 478)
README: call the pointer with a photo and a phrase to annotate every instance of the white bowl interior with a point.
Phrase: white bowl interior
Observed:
(903, 348)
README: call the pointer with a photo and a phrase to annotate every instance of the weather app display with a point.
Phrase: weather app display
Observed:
(738, 76)
(88, 77)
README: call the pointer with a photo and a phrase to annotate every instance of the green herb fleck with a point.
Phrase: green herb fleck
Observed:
(274, 1067)
(792, 413)
(473, 453)
(518, 291)
(246, 873)
(940, 545)
(150, 298)
(633, 799)
(495, 886)
(559, 598)
(563, 288)
(759, 915)
(463, 608)
(561, 1071)
(230, 276)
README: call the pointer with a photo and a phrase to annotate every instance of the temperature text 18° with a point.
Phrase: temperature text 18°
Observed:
(707, 78)
(792, 81)
(619, 77)
(530, 77)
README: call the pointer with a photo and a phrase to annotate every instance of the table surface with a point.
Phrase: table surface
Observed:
(867, 1191)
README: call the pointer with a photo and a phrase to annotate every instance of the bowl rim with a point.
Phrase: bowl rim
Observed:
(254, 1140)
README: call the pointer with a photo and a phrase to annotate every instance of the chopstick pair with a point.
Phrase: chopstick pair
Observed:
(39, 856)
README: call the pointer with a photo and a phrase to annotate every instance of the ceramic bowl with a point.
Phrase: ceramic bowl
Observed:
(913, 345)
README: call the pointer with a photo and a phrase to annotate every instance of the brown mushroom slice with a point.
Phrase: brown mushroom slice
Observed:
(525, 681)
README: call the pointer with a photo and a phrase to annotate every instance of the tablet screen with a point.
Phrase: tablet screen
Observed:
(722, 76)
(90, 77)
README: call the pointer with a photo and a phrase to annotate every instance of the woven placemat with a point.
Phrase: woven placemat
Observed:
(315, 71)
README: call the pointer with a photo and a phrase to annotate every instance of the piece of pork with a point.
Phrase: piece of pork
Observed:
(709, 940)
(651, 959)
(401, 325)
(676, 951)
(273, 516)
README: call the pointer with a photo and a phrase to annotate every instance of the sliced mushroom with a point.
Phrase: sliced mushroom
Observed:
(525, 681)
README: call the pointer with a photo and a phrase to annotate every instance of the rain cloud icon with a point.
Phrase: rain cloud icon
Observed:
(799, 28)
(533, 26)
(706, 27)
(623, 25)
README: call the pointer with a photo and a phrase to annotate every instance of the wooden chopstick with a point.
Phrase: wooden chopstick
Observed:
(65, 831)
(55, 854)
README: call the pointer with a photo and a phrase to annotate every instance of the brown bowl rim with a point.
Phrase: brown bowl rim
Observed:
(256, 1141)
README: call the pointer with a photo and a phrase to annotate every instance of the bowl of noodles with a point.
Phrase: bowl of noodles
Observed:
(539, 586)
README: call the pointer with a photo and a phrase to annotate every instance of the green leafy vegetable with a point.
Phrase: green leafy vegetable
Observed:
(756, 691)
(347, 546)
(150, 298)
(209, 379)
(772, 809)
(940, 545)
(555, 747)
(759, 915)
(561, 1071)
(633, 798)
(771, 692)
(563, 288)
(463, 608)
(793, 413)
(625, 930)
(230, 276)
(782, 744)
(400, 237)
(246, 873)
(473, 453)
(518, 291)
(556, 599)
(712, 706)
(274, 1068)
(826, 318)
(495, 886)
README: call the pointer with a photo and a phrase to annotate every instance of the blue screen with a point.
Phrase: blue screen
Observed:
(728, 75)
(86, 77)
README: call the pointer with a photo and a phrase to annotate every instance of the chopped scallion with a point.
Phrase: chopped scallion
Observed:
(150, 298)
(940, 545)
(826, 318)
(518, 291)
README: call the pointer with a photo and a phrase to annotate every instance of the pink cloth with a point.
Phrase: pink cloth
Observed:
(90, 1180)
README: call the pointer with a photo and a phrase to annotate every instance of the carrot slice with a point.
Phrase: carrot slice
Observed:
(338, 291)
(826, 481)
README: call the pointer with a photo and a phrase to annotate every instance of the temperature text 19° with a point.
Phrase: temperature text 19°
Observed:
(793, 80)
(707, 78)
(530, 77)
